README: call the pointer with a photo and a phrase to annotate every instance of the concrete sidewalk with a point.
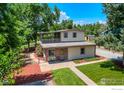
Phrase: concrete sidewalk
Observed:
(71, 64)
(82, 76)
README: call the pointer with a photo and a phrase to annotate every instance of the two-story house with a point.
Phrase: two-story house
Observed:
(65, 45)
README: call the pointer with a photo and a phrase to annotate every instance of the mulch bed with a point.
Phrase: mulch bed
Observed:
(101, 57)
(84, 61)
(31, 73)
(81, 61)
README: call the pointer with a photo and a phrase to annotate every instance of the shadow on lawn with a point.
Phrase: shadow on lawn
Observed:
(33, 77)
(113, 64)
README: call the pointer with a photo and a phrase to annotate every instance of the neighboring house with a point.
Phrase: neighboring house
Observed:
(65, 45)
(90, 37)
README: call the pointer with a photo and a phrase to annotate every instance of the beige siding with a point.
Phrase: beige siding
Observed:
(80, 36)
(74, 52)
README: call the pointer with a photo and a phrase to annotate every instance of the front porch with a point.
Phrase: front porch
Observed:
(56, 54)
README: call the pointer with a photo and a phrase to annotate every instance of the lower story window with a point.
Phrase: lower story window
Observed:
(51, 52)
(82, 51)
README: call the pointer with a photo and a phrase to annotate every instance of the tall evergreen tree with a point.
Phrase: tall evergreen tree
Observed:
(115, 21)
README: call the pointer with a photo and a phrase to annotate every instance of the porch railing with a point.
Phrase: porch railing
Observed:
(61, 58)
(50, 40)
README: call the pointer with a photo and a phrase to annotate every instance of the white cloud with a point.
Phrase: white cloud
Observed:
(102, 22)
(82, 22)
(63, 16)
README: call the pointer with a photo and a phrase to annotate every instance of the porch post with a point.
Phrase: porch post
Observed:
(47, 55)
(57, 53)
(95, 50)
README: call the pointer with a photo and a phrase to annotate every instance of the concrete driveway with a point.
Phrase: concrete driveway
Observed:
(107, 54)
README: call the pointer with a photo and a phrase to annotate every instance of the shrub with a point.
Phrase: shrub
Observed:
(107, 64)
(10, 62)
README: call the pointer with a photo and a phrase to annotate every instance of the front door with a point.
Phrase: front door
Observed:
(61, 54)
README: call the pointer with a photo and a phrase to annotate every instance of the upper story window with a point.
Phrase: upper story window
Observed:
(74, 35)
(65, 35)
(82, 51)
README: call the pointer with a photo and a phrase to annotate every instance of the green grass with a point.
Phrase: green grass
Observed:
(99, 72)
(65, 76)
(86, 59)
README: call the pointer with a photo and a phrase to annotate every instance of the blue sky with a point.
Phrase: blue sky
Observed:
(81, 13)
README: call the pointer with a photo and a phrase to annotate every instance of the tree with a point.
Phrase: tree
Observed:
(43, 18)
(36, 10)
(56, 14)
(19, 23)
(115, 18)
(121, 43)
(115, 21)
(67, 24)
(92, 29)
(8, 33)
(11, 40)
(110, 41)
(99, 41)
(55, 27)
(79, 27)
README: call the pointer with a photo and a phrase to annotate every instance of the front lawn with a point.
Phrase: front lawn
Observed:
(65, 76)
(103, 73)
(87, 59)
